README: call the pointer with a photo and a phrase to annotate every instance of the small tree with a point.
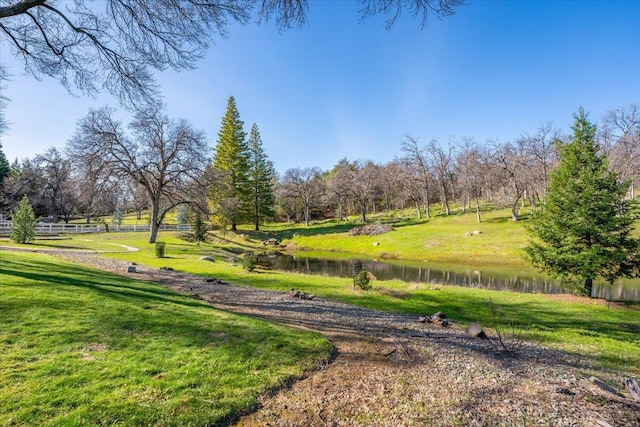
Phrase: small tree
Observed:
(199, 229)
(24, 222)
(585, 230)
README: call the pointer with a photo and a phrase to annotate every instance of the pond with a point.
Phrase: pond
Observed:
(498, 278)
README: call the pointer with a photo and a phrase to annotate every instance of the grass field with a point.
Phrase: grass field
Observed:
(83, 347)
(605, 335)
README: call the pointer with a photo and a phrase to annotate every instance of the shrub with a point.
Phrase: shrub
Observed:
(249, 262)
(361, 280)
(160, 249)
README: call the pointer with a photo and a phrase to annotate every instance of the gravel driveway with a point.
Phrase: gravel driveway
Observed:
(391, 370)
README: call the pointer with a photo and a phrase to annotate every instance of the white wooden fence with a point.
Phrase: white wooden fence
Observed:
(51, 228)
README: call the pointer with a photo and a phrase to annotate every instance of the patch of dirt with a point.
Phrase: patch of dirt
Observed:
(370, 230)
(391, 370)
(585, 300)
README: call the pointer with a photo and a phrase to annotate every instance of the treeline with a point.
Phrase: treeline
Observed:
(157, 163)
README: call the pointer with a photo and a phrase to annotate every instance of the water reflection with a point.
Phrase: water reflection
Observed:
(412, 272)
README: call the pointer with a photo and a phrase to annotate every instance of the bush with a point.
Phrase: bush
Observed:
(24, 222)
(361, 280)
(249, 262)
(160, 249)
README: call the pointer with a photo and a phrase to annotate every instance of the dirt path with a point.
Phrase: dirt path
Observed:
(390, 370)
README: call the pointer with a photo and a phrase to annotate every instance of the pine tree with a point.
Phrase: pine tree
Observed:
(229, 193)
(5, 168)
(24, 222)
(585, 230)
(261, 180)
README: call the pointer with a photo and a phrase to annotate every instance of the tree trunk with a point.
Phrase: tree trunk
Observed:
(363, 214)
(588, 285)
(477, 209)
(306, 216)
(234, 226)
(426, 206)
(514, 210)
(257, 226)
(418, 209)
(155, 208)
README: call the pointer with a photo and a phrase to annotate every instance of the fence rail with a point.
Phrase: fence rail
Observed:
(43, 228)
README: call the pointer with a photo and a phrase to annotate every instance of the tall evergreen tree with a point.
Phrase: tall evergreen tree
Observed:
(261, 180)
(585, 230)
(229, 194)
(5, 167)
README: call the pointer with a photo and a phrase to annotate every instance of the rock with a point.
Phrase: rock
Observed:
(131, 268)
(232, 260)
(439, 314)
(475, 330)
(423, 319)
(468, 234)
(294, 293)
(166, 268)
(477, 232)
(376, 243)
(632, 387)
(271, 242)
(207, 258)
(564, 390)
(606, 387)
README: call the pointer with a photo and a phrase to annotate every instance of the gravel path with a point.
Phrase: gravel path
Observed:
(390, 370)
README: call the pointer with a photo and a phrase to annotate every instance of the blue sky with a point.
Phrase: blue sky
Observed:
(342, 88)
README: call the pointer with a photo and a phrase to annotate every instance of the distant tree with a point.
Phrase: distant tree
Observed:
(442, 162)
(415, 158)
(24, 222)
(620, 131)
(513, 165)
(361, 183)
(585, 230)
(541, 152)
(26, 178)
(165, 157)
(5, 167)
(261, 181)
(58, 189)
(182, 214)
(469, 168)
(230, 191)
(305, 186)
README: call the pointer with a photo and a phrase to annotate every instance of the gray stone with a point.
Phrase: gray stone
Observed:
(207, 258)
(131, 268)
(475, 330)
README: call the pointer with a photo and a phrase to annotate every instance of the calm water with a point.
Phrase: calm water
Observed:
(488, 278)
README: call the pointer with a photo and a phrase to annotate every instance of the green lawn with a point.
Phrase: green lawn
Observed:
(84, 347)
(439, 239)
(605, 336)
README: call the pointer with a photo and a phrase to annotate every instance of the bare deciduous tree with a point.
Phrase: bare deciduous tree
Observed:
(165, 157)
(620, 132)
(305, 186)
(116, 45)
(58, 192)
(442, 162)
(415, 158)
